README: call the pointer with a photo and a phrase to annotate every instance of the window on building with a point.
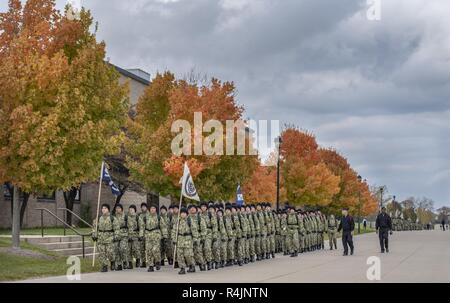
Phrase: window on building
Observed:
(47, 197)
(78, 196)
(6, 192)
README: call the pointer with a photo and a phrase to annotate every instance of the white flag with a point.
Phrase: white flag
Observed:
(187, 185)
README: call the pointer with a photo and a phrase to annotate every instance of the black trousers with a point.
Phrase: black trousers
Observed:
(347, 241)
(383, 234)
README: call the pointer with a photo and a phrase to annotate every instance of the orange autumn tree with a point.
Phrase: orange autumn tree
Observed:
(307, 180)
(152, 160)
(261, 187)
(352, 194)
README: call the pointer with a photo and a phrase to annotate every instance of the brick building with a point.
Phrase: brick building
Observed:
(86, 201)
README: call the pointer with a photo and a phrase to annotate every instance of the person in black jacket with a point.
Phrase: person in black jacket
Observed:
(347, 225)
(384, 227)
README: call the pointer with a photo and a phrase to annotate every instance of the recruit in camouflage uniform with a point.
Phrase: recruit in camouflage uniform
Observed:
(104, 236)
(332, 229)
(183, 242)
(284, 233)
(166, 247)
(144, 211)
(121, 241)
(173, 215)
(206, 235)
(238, 245)
(301, 233)
(134, 249)
(246, 234)
(196, 236)
(229, 225)
(215, 235)
(222, 239)
(152, 230)
(262, 232)
(270, 252)
(293, 243)
(252, 231)
(278, 238)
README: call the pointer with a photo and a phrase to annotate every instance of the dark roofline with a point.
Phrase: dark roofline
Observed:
(128, 74)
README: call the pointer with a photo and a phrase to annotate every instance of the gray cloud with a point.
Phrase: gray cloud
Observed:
(377, 91)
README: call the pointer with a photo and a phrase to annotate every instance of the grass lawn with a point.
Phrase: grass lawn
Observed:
(49, 231)
(34, 262)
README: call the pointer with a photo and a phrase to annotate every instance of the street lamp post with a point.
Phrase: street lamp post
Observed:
(359, 206)
(381, 197)
(278, 142)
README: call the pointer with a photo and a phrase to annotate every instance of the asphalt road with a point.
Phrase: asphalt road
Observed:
(422, 256)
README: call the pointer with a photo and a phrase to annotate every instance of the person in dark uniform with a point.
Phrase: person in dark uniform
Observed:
(347, 225)
(384, 227)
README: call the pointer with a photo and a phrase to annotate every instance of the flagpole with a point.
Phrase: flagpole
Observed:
(98, 206)
(178, 225)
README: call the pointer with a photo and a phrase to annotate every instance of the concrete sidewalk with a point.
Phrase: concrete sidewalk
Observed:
(422, 256)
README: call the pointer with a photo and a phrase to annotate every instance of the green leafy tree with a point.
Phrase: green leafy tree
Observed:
(61, 104)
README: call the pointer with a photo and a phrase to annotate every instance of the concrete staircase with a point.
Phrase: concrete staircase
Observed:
(64, 245)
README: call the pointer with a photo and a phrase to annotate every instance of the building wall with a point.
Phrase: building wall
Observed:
(136, 89)
(32, 217)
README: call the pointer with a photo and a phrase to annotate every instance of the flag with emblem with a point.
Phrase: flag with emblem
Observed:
(187, 185)
(239, 196)
(106, 177)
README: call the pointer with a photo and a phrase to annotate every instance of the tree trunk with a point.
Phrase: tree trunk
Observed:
(69, 199)
(23, 207)
(11, 193)
(16, 219)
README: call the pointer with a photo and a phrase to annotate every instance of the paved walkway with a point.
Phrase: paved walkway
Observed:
(422, 256)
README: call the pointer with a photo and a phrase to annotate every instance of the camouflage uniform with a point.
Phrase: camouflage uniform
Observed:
(206, 236)
(245, 236)
(301, 233)
(142, 240)
(270, 233)
(216, 241)
(121, 244)
(257, 225)
(134, 248)
(223, 240)
(284, 233)
(314, 232)
(228, 220)
(239, 245)
(184, 243)
(108, 229)
(196, 237)
(292, 222)
(152, 228)
(166, 251)
(332, 228)
(263, 234)
(252, 234)
(278, 238)
(308, 238)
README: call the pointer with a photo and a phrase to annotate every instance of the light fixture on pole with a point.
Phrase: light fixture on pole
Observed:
(278, 142)
(381, 196)
(359, 205)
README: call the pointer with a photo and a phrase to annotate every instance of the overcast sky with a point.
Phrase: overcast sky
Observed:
(377, 91)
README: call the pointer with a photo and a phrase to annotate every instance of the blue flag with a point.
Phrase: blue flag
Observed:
(239, 196)
(107, 179)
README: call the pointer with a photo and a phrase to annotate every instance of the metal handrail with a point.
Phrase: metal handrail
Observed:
(77, 216)
(64, 224)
